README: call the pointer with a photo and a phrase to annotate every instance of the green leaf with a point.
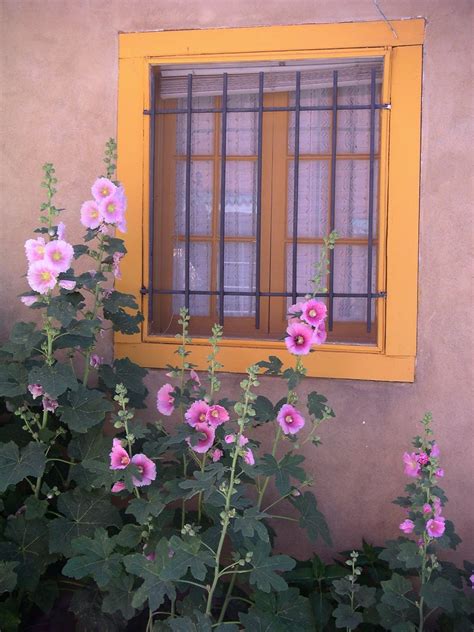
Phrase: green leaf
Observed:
(264, 410)
(8, 576)
(142, 508)
(125, 323)
(16, 465)
(83, 512)
(35, 508)
(256, 621)
(346, 617)
(86, 409)
(55, 379)
(292, 612)
(292, 377)
(13, 380)
(61, 309)
(250, 524)
(395, 592)
(265, 567)
(272, 367)
(46, 594)
(199, 622)
(204, 481)
(401, 554)
(365, 596)
(188, 554)
(94, 557)
(125, 372)
(119, 596)
(440, 593)
(318, 406)
(311, 518)
(283, 470)
(92, 450)
(79, 250)
(117, 300)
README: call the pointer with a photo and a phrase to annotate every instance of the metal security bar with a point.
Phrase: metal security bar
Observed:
(260, 110)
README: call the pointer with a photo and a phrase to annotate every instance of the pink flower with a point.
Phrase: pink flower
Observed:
(471, 579)
(36, 390)
(217, 455)
(216, 415)
(290, 419)
(146, 468)
(407, 526)
(61, 230)
(435, 451)
(427, 508)
(119, 458)
(34, 249)
(294, 312)
(164, 400)
(151, 557)
(423, 458)
(95, 361)
(205, 442)
(229, 438)
(412, 467)
(49, 403)
(243, 441)
(67, 285)
(299, 338)
(103, 188)
(29, 300)
(439, 472)
(248, 457)
(118, 487)
(41, 277)
(116, 264)
(59, 254)
(437, 506)
(195, 377)
(314, 312)
(112, 209)
(196, 413)
(90, 215)
(320, 334)
(435, 527)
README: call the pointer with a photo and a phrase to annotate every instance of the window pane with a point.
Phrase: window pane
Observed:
(199, 277)
(240, 198)
(202, 127)
(315, 127)
(239, 271)
(313, 198)
(353, 126)
(201, 196)
(352, 197)
(350, 276)
(307, 256)
(242, 126)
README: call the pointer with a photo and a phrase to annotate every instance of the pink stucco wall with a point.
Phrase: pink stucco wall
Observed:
(58, 99)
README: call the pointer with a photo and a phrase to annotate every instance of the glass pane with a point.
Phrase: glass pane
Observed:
(240, 198)
(202, 127)
(307, 257)
(239, 271)
(350, 276)
(315, 127)
(313, 198)
(352, 197)
(199, 277)
(201, 196)
(353, 126)
(242, 126)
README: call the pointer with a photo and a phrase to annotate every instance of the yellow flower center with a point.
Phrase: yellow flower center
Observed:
(125, 460)
(57, 256)
(312, 313)
(110, 208)
(202, 417)
(94, 213)
(105, 191)
(40, 250)
(45, 275)
(215, 413)
(140, 469)
(299, 340)
(289, 419)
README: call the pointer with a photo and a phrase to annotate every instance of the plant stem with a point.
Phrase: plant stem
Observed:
(228, 597)
(265, 483)
(95, 307)
(203, 465)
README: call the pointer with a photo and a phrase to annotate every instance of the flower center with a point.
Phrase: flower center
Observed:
(312, 313)
(289, 419)
(105, 192)
(57, 256)
(94, 213)
(110, 208)
(202, 417)
(45, 276)
(40, 250)
(125, 460)
(215, 413)
(299, 340)
(140, 469)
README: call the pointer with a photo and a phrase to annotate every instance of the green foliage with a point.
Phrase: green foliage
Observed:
(84, 409)
(16, 464)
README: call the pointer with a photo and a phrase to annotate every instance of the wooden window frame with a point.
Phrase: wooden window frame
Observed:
(393, 358)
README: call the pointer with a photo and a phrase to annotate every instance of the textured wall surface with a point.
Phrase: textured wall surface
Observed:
(58, 102)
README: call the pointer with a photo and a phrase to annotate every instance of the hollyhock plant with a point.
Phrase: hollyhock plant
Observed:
(61, 230)
(164, 400)
(407, 526)
(195, 377)
(290, 419)
(242, 441)
(435, 527)
(95, 361)
(102, 188)
(67, 285)
(205, 442)
(41, 277)
(197, 413)
(90, 215)
(217, 455)
(439, 472)
(314, 312)
(320, 334)
(412, 466)
(216, 415)
(249, 457)
(49, 403)
(112, 209)
(29, 300)
(34, 249)
(36, 390)
(146, 469)
(59, 254)
(229, 438)
(119, 457)
(299, 339)
(117, 487)
(116, 258)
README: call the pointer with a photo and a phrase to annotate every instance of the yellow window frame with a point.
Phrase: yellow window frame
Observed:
(393, 358)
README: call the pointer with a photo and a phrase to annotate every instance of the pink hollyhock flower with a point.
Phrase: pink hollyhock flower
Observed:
(36, 390)
(427, 508)
(41, 277)
(196, 413)
(314, 312)
(67, 285)
(248, 457)
(106, 292)
(299, 338)
(435, 527)
(102, 188)
(422, 458)
(34, 249)
(294, 312)
(435, 451)
(216, 415)
(471, 579)
(204, 443)
(437, 506)
(195, 377)
(116, 264)
(49, 403)
(407, 526)
(243, 441)
(59, 255)
(29, 300)
(439, 472)
(320, 334)
(164, 400)
(118, 487)
(290, 419)
(412, 467)
(229, 438)
(90, 214)
(146, 468)
(217, 455)
(95, 361)
(112, 209)
(151, 557)
(119, 458)
(61, 230)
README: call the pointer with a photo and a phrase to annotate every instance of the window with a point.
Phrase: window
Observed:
(239, 158)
